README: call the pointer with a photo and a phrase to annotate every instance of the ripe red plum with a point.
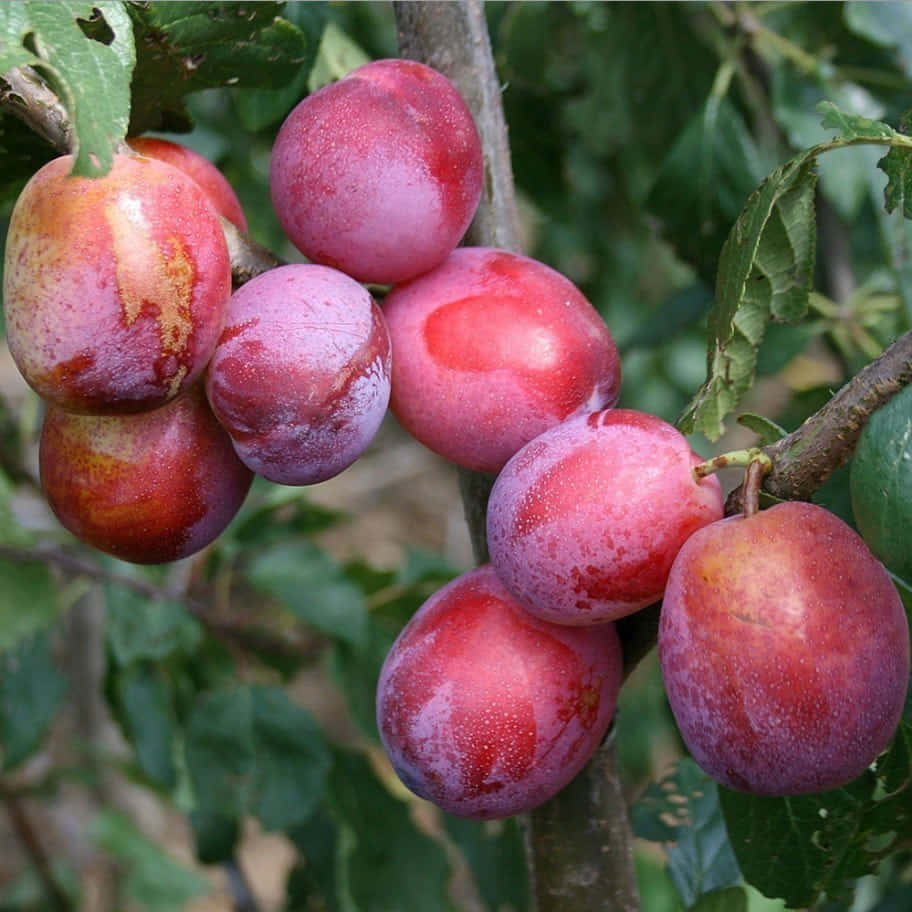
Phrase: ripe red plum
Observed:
(784, 648)
(490, 350)
(147, 488)
(300, 378)
(487, 711)
(114, 287)
(197, 167)
(585, 520)
(380, 173)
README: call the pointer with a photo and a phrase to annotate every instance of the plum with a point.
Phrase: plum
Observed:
(380, 173)
(114, 287)
(490, 349)
(584, 521)
(487, 711)
(221, 194)
(300, 377)
(147, 488)
(784, 648)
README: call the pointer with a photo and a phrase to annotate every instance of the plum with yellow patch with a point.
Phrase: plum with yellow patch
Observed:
(487, 711)
(114, 287)
(784, 649)
(147, 488)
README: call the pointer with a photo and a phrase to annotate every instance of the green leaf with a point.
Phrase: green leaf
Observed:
(28, 600)
(142, 628)
(880, 482)
(312, 586)
(31, 691)
(151, 877)
(766, 429)
(683, 811)
(145, 710)
(251, 750)
(91, 75)
(731, 899)
(802, 849)
(292, 760)
(766, 271)
(853, 126)
(897, 165)
(385, 863)
(495, 853)
(701, 187)
(184, 47)
(338, 55)
(11, 531)
(261, 108)
(887, 24)
(314, 878)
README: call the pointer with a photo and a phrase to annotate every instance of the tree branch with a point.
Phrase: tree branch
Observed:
(579, 844)
(238, 634)
(31, 844)
(24, 94)
(805, 459)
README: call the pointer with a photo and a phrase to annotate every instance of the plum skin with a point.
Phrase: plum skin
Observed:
(197, 167)
(584, 522)
(380, 173)
(147, 488)
(114, 287)
(300, 377)
(490, 349)
(487, 711)
(784, 648)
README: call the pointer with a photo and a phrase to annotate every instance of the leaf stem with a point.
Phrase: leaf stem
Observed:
(735, 459)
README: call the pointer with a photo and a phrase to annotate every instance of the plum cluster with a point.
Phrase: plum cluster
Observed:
(165, 391)
(783, 643)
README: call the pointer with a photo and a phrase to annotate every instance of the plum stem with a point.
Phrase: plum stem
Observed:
(757, 470)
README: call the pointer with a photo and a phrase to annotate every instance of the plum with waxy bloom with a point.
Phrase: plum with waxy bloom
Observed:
(380, 173)
(487, 711)
(585, 520)
(490, 349)
(300, 378)
(784, 648)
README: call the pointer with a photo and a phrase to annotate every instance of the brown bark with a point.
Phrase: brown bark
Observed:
(579, 844)
(805, 459)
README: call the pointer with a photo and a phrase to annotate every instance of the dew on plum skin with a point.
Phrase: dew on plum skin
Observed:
(767, 706)
(584, 522)
(487, 711)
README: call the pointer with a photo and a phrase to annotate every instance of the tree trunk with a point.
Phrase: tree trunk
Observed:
(579, 844)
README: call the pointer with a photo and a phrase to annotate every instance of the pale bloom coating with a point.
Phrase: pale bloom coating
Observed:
(784, 648)
(585, 521)
(487, 711)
